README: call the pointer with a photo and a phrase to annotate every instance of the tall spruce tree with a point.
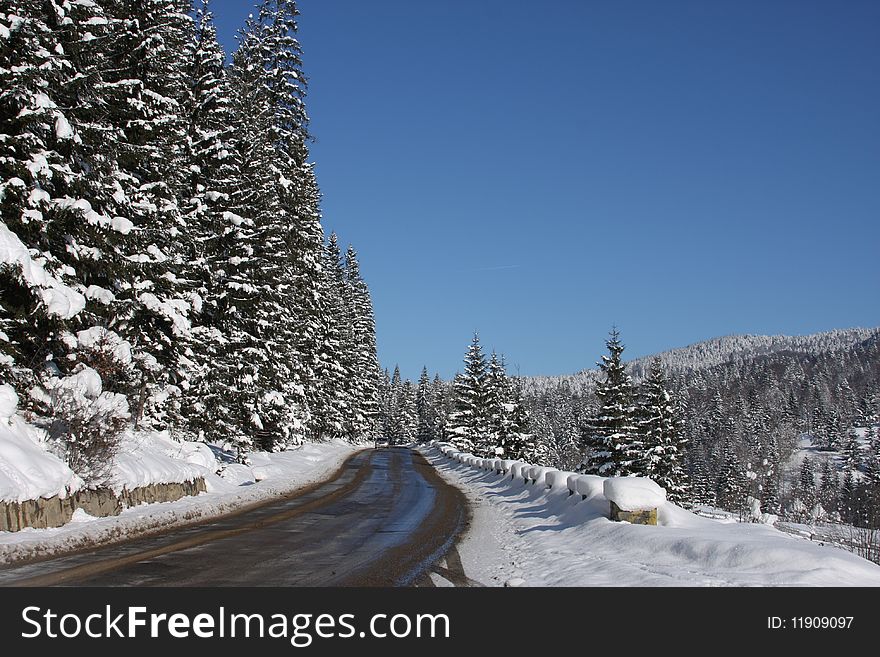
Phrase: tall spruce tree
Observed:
(467, 426)
(614, 445)
(424, 409)
(662, 438)
(364, 361)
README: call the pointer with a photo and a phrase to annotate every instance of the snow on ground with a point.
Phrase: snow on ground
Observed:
(153, 457)
(528, 534)
(27, 471)
(271, 475)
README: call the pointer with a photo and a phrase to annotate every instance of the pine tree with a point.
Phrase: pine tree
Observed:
(661, 435)
(365, 364)
(407, 414)
(732, 484)
(829, 488)
(332, 410)
(207, 400)
(519, 442)
(38, 171)
(274, 273)
(423, 407)
(769, 475)
(440, 402)
(467, 425)
(385, 398)
(852, 450)
(847, 503)
(495, 409)
(613, 441)
(702, 489)
(144, 86)
(806, 490)
(395, 419)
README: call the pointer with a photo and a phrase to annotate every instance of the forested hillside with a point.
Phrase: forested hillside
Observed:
(746, 406)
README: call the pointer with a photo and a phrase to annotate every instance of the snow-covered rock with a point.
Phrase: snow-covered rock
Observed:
(634, 493)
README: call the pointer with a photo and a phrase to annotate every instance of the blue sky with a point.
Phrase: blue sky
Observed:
(539, 171)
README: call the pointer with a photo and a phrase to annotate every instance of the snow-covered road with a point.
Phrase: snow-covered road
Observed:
(382, 519)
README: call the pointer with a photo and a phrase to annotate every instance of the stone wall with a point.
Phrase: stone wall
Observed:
(638, 517)
(55, 511)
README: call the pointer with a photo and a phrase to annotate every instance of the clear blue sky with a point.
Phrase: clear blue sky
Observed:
(539, 171)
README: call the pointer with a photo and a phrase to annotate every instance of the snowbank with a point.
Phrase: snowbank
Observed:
(549, 536)
(152, 457)
(8, 401)
(27, 470)
(290, 470)
(634, 493)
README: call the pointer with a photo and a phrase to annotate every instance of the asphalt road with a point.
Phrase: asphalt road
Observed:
(385, 518)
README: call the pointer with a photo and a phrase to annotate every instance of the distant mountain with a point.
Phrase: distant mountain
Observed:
(719, 351)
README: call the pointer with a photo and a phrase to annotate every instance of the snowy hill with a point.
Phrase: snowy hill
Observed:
(717, 351)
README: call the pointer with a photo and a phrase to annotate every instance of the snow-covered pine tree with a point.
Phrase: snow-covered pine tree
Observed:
(847, 502)
(424, 407)
(703, 491)
(613, 442)
(142, 91)
(275, 272)
(440, 404)
(385, 397)
(467, 426)
(407, 415)
(365, 363)
(806, 488)
(520, 443)
(829, 488)
(206, 403)
(852, 450)
(496, 396)
(661, 433)
(732, 482)
(394, 421)
(769, 475)
(332, 412)
(38, 285)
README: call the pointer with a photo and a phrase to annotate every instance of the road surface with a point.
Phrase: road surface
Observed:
(385, 518)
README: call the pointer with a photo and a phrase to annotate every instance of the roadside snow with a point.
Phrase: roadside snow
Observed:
(284, 472)
(546, 537)
(27, 470)
(634, 493)
(146, 458)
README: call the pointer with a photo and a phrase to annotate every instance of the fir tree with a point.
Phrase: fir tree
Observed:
(852, 451)
(467, 425)
(614, 445)
(662, 436)
(423, 407)
(807, 484)
(364, 362)
(440, 400)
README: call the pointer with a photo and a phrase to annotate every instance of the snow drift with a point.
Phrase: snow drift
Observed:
(553, 535)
